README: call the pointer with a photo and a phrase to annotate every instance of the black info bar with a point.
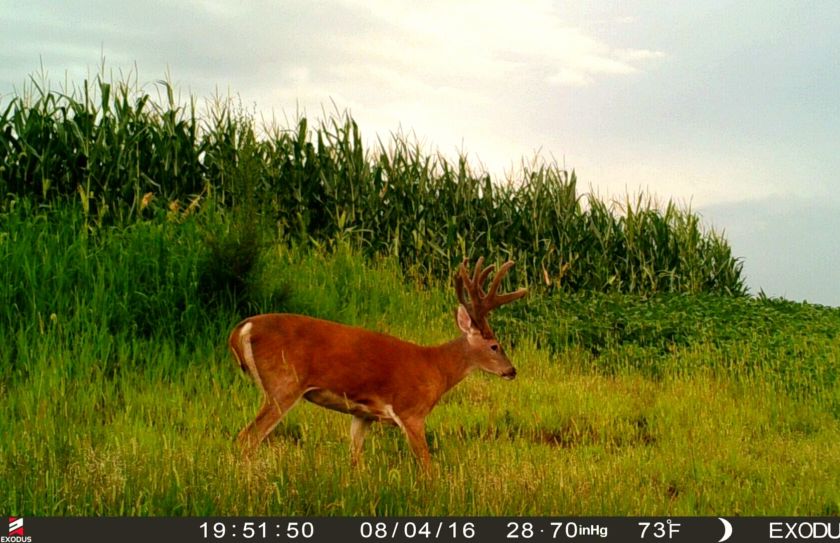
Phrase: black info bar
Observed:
(420, 529)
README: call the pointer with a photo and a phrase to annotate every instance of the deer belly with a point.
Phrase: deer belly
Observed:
(340, 402)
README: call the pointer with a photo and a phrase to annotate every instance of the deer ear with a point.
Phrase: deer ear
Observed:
(464, 320)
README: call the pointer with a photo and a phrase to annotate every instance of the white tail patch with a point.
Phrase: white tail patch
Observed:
(248, 352)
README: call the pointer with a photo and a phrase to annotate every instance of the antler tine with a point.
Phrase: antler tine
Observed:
(470, 279)
(462, 280)
(459, 288)
(482, 278)
(480, 303)
(497, 280)
(503, 299)
(493, 300)
(478, 269)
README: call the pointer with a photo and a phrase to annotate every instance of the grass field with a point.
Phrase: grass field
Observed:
(136, 231)
(118, 397)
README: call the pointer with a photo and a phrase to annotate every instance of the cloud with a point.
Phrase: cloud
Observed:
(570, 77)
(489, 41)
(370, 49)
(584, 68)
(460, 74)
(630, 55)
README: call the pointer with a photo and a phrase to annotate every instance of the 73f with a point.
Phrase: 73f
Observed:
(660, 530)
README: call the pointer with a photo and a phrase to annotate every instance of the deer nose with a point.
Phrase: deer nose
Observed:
(509, 374)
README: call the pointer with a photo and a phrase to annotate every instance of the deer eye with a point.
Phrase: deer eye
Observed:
(494, 347)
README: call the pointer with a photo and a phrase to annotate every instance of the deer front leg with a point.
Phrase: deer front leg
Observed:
(415, 431)
(358, 429)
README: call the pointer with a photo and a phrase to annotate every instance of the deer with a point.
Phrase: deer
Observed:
(370, 375)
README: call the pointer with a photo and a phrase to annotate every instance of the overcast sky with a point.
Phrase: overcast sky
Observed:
(733, 107)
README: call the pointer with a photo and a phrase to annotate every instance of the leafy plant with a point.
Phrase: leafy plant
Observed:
(123, 154)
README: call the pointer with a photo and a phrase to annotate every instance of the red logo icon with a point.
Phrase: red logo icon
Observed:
(15, 526)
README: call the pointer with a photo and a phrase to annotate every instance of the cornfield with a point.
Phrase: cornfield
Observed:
(123, 153)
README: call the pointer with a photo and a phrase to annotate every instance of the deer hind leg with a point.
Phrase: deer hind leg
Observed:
(282, 390)
(358, 429)
(267, 418)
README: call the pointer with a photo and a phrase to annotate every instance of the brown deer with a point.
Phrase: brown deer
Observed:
(372, 376)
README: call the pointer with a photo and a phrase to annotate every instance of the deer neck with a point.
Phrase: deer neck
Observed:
(453, 362)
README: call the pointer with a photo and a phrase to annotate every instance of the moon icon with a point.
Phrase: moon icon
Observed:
(727, 530)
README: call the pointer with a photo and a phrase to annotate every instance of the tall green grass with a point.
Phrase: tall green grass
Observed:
(123, 400)
(135, 232)
(123, 154)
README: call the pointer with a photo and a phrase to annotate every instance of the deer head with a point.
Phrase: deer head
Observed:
(472, 313)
